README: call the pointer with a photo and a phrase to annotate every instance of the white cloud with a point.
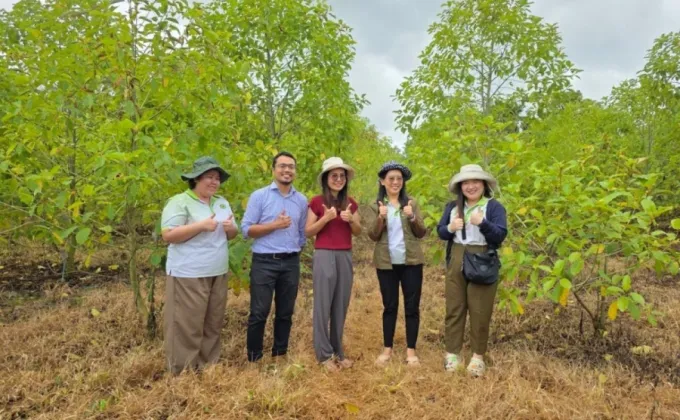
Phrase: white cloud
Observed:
(596, 84)
(377, 77)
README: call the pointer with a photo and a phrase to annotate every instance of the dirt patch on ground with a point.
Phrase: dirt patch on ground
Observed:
(33, 280)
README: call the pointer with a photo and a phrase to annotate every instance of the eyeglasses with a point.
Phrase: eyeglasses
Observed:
(337, 177)
(395, 179)
(290, 166)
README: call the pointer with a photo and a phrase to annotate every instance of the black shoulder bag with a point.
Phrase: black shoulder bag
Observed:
(481, 267)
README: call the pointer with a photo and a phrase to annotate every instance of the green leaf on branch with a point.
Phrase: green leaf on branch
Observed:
(66, 232)
(673, 268)
(82, 235)
(576, 267)
(156, 260)
(548, 285)
(648, 206)
(614, 291)
(625, 283)
(614, 195)
(558, 267)
(637, 298)
(25, 196)
(634, 310)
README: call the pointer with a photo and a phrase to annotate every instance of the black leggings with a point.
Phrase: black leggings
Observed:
(411, 279)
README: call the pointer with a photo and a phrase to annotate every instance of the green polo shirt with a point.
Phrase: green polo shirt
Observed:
(206, 254)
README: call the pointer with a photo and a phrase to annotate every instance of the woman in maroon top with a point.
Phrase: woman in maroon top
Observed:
(333, 218)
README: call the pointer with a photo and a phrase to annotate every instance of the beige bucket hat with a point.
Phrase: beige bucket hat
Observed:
(468, 172)
(335, 163)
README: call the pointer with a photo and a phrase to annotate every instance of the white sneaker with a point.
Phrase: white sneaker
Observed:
(451, 362)
(477, 367)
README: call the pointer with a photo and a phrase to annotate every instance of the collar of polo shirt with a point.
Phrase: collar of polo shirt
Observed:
(193, 195)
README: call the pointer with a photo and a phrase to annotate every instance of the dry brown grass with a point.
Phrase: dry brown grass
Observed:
(59, 361)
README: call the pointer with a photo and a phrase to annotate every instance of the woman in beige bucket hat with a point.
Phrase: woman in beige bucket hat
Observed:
(333, 218)
(474, 222)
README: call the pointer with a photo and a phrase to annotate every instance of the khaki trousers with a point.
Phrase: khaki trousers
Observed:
(194, 315)
(463, 297)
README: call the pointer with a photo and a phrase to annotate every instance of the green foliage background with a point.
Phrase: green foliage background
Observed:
(103, 104)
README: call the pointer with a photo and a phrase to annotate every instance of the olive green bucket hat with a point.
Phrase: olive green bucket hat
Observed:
(203, 165)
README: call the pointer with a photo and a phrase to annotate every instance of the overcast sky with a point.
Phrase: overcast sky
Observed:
(607, 39)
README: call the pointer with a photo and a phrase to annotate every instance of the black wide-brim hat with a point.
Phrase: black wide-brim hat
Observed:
(391, 165)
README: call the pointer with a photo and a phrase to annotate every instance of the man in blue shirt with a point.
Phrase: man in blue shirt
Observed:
(275, 218)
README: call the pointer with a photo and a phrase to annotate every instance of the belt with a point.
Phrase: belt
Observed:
(277, 256)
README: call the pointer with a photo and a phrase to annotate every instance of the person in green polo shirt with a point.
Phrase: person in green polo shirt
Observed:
(198, 225)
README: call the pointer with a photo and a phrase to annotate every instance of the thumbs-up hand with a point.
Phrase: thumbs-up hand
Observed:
(228, 224)
(283, 221)
(382, 210)
(408, 209)
(346, 215)
(477, 216)
(456, 224)
(209, 224)
(329, 213)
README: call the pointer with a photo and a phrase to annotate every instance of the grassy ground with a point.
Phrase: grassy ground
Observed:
(59, 359)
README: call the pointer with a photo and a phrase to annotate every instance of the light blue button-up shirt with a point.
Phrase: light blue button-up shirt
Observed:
(264, 206)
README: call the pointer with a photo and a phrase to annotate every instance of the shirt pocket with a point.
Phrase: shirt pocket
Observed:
(272, 210)
(197, 213)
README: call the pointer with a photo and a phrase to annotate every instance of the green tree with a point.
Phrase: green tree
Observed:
(105, 103)
(493, 88)
(481, 52)
(104, 120)
(298, 55)
(652, 100)
(581, 231)
(51, 56)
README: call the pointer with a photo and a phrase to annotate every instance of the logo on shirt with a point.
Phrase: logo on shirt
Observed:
(223, 206)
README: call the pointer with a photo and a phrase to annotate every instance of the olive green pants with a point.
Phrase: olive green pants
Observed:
(463, 297)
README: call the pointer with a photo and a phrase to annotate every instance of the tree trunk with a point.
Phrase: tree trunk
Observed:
(271, 112)
(69, 254)
(151, 321)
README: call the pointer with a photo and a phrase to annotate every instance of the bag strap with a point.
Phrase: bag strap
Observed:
(465, 214)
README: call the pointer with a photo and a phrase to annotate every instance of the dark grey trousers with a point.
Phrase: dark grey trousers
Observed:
(333, 277)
